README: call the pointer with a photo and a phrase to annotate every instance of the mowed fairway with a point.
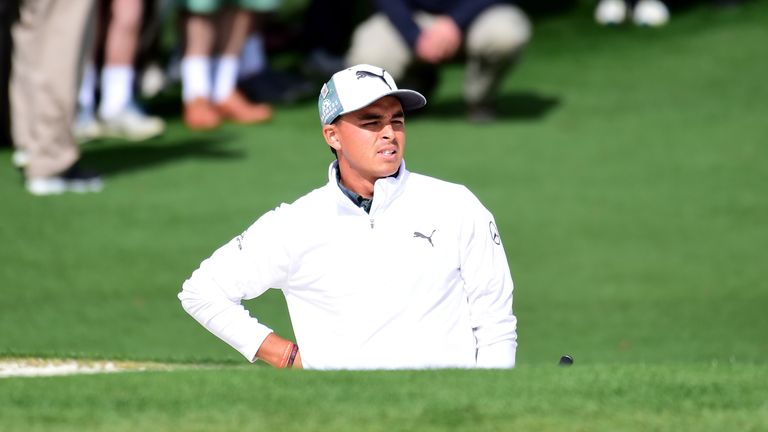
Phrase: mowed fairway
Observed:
(628, 177)
(532, 398)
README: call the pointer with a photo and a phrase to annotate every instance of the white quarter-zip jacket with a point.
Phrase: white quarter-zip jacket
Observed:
(420, 282)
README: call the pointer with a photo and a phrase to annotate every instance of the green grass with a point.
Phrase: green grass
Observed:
(589, 398)
(628, 179)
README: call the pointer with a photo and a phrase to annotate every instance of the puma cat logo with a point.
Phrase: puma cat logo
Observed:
(363, 74)
(427, 238)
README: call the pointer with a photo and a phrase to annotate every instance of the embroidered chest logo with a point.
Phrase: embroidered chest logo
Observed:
(428, 238)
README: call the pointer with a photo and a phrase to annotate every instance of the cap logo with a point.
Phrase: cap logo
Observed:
(329, 103)
(345, 92)
(330, 109)
(364, 74)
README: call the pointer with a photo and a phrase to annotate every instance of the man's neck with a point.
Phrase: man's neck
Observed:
(364, 188)
(356, 184)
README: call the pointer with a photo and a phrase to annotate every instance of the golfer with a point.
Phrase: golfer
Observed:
(381, 268)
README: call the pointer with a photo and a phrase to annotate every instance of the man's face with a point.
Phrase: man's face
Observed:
(369, 143)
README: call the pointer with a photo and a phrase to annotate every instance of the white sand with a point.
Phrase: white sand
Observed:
(33, 367)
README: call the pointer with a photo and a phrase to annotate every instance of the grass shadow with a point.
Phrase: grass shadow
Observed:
(119, 157)
(510, 106)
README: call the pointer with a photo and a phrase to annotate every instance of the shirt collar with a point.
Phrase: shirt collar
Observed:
(393, 180)
(358, 200)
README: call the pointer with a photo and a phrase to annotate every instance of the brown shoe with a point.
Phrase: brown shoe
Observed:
(200, 114)
(240, 110)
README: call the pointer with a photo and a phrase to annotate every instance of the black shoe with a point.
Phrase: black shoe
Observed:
(74, 179)
(276, 87)
(482, 113)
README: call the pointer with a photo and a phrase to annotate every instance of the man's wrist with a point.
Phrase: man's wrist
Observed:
(278, 352)
(292, 356)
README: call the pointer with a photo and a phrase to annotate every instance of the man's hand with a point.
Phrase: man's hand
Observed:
(279, 352)
(440, 41)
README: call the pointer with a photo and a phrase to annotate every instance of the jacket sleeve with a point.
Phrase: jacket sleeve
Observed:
(400, 14)
(488, 285)
(465, 11)
(242, 269)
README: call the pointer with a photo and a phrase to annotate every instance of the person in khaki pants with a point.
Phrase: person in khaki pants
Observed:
(49, 39)
(410, 38)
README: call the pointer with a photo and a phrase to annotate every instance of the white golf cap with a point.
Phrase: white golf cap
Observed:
(359, 86)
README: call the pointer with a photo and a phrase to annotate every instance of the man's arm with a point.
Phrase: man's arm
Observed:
(440, 41)
(242, 269)
(400, 14)
(463, 12)
(434, 44)
(488, 284)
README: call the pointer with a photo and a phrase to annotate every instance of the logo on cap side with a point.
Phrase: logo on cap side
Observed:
(329, 104)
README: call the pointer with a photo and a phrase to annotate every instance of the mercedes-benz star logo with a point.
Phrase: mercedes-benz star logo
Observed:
(494, 233)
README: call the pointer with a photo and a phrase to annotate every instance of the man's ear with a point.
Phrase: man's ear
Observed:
(331, 135)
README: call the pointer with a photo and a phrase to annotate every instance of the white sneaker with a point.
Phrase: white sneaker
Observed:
(153, 81)
(74, 179)
(650, 13)
(19, 159)
(132, 124)
(611, 12)
(86, 127)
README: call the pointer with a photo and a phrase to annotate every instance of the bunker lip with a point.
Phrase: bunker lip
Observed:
(39, 367)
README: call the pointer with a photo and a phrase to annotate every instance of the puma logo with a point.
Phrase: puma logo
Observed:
(363, 74)
(427, 238)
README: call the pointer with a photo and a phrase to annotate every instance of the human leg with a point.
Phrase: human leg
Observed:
(119, 54)
(494, 40)
(121, 117)
(234, 27)
(377, 42)
(49, 41)
(200, 35)
(87, 126)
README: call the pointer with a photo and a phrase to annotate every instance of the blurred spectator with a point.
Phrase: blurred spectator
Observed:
(48, 50)
(326, 34)
(152, 57)
(257, 80)
(214, 37)
(118, 114)
(409, 38)
(648, 13)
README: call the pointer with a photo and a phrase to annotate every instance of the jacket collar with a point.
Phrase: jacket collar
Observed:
(385, 190)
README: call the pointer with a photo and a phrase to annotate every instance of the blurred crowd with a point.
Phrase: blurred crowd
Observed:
(79, 70)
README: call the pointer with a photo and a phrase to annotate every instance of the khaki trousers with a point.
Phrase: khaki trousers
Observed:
(48, 50)
(491, 44)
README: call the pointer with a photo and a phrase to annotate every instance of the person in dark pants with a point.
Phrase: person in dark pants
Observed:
(404, 36)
